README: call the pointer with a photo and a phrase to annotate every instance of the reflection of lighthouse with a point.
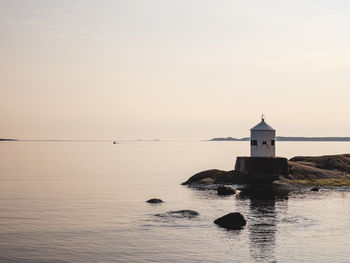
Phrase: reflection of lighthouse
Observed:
(262, 230)
(262, 140)
(263, 219)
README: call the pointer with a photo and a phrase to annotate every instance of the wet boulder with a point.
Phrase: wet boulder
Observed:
(224, 190)
(232, 221)
(155, 201)
(315, 189)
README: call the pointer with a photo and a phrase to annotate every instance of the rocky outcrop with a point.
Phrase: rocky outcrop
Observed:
(155, 201)
(205, 176)
(232, 221)
(330, 170)
(328, 166)
(303, 171)
(228, 177)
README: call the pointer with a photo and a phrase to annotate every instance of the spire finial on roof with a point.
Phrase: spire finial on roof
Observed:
(262, 126)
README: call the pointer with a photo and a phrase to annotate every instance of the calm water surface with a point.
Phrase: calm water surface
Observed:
(85, 202)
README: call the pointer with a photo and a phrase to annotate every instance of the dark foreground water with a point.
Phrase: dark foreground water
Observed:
(85, 202)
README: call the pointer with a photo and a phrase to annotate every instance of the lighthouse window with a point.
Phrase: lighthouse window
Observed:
(272, 142)
(264, 142)
(253, 142)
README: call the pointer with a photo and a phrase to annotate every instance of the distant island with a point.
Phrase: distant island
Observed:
(2, 139)
(285, 138)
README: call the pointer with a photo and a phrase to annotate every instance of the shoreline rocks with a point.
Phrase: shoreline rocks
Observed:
(202, 177)
(329, 170)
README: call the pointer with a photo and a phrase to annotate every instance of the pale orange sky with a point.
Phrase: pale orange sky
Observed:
(184, 69)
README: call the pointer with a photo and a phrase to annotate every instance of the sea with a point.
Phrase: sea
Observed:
(84, 201)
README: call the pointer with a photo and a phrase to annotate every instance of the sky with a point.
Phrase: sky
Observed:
(184, 69)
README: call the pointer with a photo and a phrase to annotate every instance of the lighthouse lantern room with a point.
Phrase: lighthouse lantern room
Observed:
(262, 140)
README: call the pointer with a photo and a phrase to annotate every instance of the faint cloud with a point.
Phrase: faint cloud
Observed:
(33, 22)
(14, 21)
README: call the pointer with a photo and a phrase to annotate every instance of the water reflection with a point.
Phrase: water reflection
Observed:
(263, 219)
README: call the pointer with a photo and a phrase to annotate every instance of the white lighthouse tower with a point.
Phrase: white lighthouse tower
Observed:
(262, 140)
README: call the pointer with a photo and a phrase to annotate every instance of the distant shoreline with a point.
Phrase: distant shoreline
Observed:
(290, 139)
(218, 139)
(7, 140)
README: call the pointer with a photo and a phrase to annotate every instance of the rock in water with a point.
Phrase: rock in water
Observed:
(154, 201)
(179, 214)
(231, 221)
(224, 190)
(315, 189)
(184, 213)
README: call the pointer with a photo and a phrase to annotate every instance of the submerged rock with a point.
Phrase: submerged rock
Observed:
(233, 221)
(224, 190)
(179, 214)
(155, 201)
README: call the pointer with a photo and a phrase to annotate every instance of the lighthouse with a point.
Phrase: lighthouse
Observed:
(262, 140)
(262, 166)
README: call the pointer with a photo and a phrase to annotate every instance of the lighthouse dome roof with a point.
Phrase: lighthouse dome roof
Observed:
(262, 126)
